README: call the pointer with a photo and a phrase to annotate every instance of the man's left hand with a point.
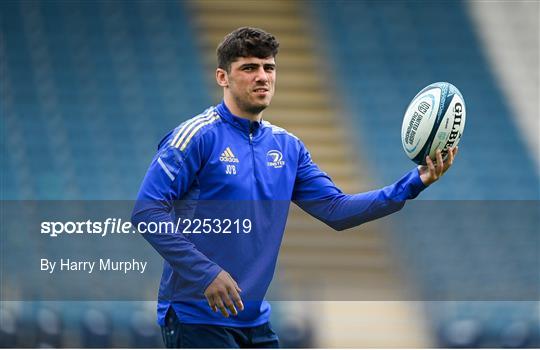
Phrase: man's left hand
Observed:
(432, 172)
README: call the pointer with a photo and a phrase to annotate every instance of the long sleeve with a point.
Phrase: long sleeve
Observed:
(315, 193)
(168, 179)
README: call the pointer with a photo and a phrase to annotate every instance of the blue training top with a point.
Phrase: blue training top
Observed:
(219, 166)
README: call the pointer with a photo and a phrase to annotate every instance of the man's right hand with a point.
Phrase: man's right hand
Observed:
(222, 294)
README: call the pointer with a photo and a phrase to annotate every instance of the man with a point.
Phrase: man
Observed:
(213, 285)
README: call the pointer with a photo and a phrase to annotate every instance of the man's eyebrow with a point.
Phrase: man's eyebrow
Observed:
(257, 65)
(249, 65)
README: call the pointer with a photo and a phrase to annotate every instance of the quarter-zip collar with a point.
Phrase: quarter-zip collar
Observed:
(243, 124)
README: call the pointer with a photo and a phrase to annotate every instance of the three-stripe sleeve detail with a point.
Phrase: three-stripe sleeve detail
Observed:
(186, 133)
(189, 123)
(190, 132)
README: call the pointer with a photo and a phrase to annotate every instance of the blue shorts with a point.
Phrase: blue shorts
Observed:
(182, 335)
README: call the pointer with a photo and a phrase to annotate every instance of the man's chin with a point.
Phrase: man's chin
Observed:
(257, 108)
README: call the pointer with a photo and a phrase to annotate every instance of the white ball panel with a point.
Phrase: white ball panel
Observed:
(419, 120)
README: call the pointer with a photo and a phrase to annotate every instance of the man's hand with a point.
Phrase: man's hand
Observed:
(222, 294)
(432, 172)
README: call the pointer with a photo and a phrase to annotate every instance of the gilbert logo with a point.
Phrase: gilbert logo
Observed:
(274, 159)
(455, 133)
(228, 157)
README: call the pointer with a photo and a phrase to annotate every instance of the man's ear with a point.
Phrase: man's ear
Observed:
(222, 78)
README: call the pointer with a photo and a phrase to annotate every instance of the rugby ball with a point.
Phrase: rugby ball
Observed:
(434, 120)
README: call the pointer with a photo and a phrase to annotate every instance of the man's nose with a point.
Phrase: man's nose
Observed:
(261, 75)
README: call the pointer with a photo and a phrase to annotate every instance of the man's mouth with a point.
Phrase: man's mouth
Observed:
(260, 90)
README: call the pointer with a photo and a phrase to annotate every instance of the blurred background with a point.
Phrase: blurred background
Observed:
(89, 88)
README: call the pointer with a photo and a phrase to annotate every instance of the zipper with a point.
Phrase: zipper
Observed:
(252, 156)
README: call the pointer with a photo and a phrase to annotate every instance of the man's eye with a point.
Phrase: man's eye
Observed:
(248, 69)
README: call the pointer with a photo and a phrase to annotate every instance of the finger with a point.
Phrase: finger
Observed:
(211, 303)
(229, 304)
(431, 167)
(451, 156)
(236, 298)
(440, 163)
(221, 306)
(236, 285)
(448, 161)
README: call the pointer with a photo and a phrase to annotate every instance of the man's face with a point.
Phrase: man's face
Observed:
(251, 83)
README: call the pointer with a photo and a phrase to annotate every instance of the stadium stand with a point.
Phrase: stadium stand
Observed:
(386, 52)
(87, 91)
(383, 53)
(89, 88)
(512, 50)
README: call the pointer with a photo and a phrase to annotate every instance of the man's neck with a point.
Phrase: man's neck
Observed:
(233, 107)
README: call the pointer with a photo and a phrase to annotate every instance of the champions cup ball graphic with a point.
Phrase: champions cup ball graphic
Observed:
(435, 119)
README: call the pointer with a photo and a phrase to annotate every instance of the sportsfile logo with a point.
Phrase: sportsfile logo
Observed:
(228, 157)
(274, 159)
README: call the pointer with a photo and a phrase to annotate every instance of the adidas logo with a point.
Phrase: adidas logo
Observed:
(228, 156)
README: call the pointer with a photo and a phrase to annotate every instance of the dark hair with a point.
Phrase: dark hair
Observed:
(246, 42)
